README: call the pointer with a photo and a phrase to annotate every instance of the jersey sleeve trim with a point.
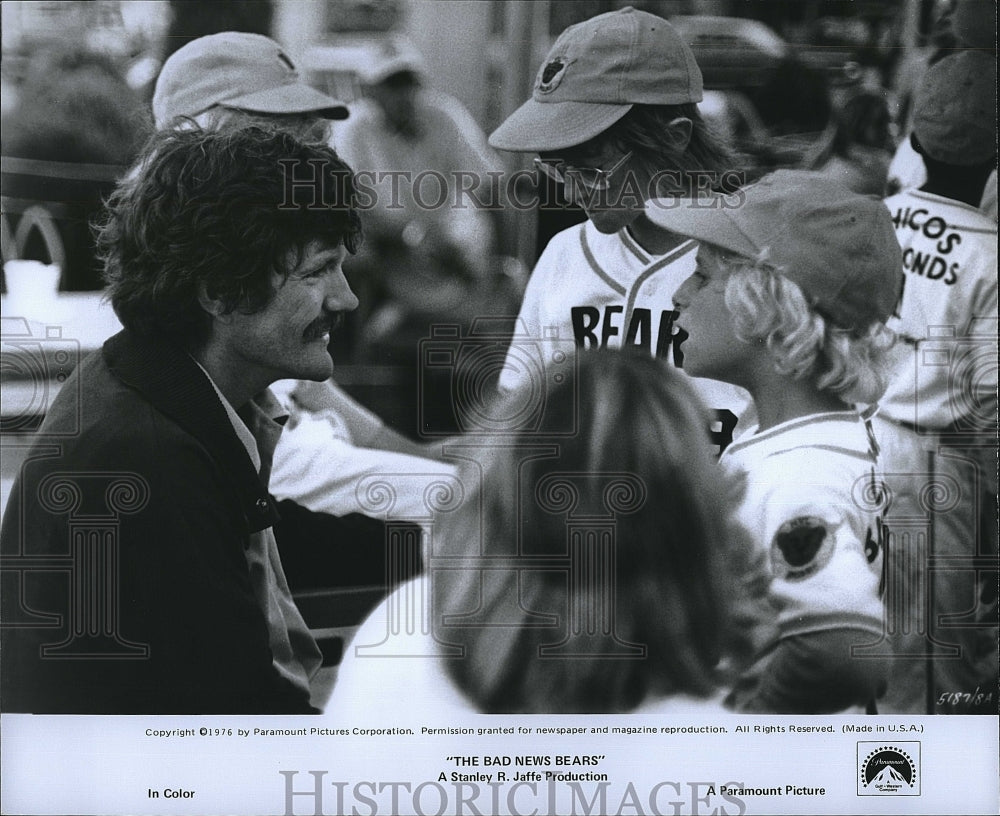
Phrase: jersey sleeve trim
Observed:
(647, 273)
(809, 622)
(851, 417)
(632, 245)
(842, 451)
(596, 267)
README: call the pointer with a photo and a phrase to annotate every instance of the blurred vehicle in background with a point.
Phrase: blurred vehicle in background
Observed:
(732, 52)
(773, 100)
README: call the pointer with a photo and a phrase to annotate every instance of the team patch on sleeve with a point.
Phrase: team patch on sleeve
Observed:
(801, 547)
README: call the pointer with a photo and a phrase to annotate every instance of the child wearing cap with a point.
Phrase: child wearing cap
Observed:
(795, 278)
(938, 418)
(614, 117)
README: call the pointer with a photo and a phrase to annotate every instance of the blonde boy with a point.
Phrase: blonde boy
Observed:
(795, 278)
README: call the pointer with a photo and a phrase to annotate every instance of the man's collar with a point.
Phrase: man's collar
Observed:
(173, 382)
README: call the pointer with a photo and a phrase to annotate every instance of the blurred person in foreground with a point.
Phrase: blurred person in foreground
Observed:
(517, 622)
(614, 118)
(225, 281)
(330, 442)
(796, 277)
(938, 422)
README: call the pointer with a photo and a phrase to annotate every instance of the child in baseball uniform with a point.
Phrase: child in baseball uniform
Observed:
(614, 118)
(938, 420)
(794, 281)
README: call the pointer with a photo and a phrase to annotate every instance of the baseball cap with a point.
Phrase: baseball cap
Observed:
(955, 108)
(838, 246)
(235, 69)
(395, 56)
(593, 75)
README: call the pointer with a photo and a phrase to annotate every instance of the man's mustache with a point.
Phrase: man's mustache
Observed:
(322, 325)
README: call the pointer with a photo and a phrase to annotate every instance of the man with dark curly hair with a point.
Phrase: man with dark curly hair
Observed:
(148, 577)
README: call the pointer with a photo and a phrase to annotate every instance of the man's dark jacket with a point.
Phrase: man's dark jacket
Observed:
(125, 585)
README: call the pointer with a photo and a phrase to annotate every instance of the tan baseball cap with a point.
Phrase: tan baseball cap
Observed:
(593, 75)
(839, 247)
(395, 55)
(955, 109)
(236, 70)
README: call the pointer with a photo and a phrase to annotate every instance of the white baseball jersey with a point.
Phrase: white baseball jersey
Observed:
(319, 463)
(944, 365)
(591, 290)
(812, 500)
(944, 380)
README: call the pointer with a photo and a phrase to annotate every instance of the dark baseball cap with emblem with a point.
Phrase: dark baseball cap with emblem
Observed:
(593, 75)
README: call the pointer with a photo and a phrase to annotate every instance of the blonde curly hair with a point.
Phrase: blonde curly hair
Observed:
(769, 308)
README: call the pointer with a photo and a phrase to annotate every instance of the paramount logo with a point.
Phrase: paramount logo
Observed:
(888, 770)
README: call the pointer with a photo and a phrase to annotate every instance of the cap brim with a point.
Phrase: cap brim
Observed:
(537, 126)
(381, 72)
(293, 98)
(705, 219)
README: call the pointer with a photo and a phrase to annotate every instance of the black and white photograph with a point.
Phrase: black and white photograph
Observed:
(499, 407)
